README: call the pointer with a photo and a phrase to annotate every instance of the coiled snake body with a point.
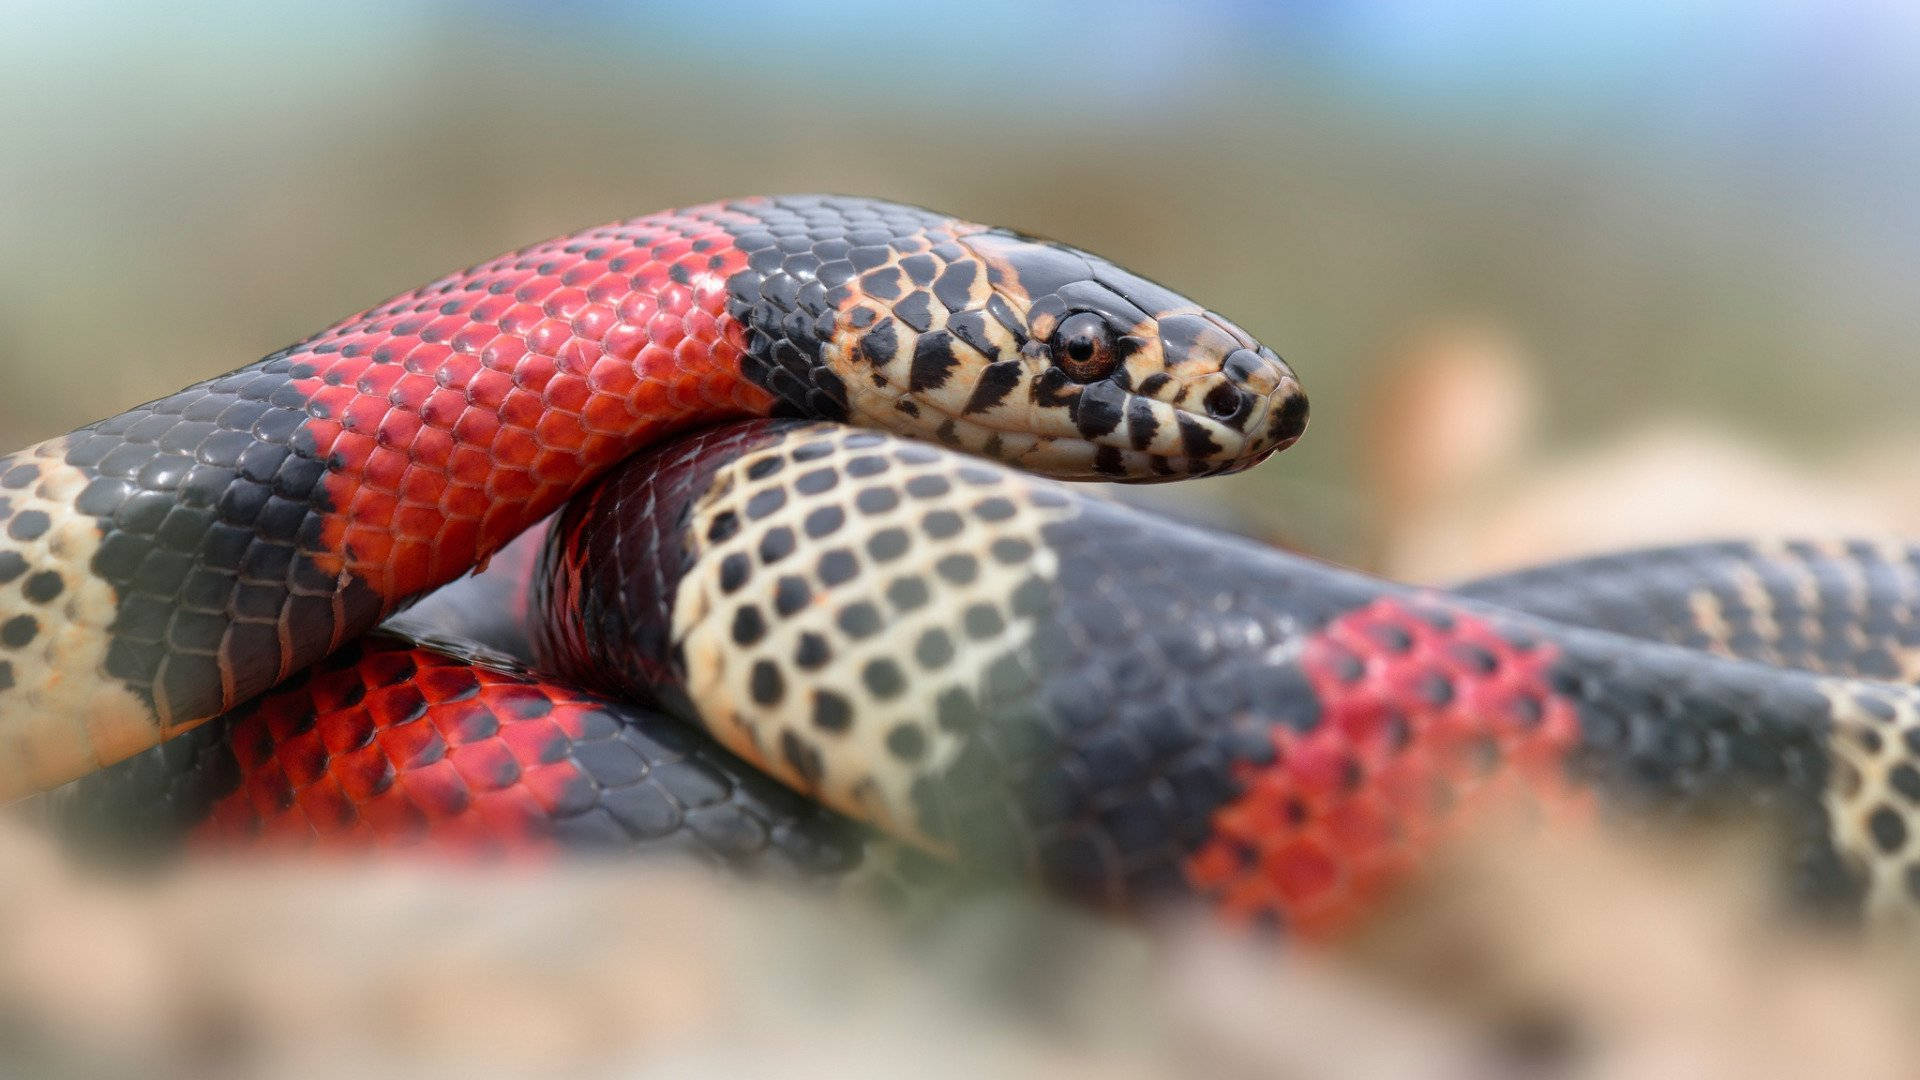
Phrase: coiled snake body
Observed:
(989, 665)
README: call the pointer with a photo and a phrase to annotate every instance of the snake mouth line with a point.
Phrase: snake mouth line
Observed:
(1122, 455)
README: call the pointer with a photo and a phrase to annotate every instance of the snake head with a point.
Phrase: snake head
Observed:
(1019, 349)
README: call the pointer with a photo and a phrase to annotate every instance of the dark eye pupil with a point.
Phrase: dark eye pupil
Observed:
(1082, 348)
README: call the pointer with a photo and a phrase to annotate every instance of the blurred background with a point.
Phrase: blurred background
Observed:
(1556, 276)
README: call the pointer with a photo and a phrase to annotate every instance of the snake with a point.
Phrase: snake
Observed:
(877, 635)
(174, 561)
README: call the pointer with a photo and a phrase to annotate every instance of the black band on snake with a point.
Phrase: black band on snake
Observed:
(991, 667)
(1037, 681)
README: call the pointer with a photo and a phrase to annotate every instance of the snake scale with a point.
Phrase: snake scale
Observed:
(989, 665)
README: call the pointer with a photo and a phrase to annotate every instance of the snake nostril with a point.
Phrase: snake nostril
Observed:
(1224, 402)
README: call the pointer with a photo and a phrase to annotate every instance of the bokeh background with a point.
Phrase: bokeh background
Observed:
(1557, 276)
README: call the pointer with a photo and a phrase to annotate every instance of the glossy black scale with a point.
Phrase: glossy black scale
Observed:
(210, 503)
(801, 255)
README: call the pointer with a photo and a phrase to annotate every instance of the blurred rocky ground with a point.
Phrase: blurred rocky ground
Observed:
(1522, 956)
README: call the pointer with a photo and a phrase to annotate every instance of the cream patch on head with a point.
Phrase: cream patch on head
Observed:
(61, 714)
(914, 348)
(1873, 791)
(844, 631)
(936, 343)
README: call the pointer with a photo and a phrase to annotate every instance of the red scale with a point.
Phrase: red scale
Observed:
(543, 365)
(1348, 810)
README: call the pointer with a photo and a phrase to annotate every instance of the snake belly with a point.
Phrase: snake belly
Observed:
(174, 561)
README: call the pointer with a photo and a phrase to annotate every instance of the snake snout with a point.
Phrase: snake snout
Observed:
(1253, 403)
(1281, 400)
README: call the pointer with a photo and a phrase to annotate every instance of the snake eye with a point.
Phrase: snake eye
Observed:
(1083, 348)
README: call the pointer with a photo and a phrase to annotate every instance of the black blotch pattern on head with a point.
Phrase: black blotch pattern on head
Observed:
(970, 328)
(879, 345)
(802, 258)
(1195, 438)
(1142, 425)
(954, 289)
(1098, 409)
(996, 381)
(1032, 598)
(920, 269)
(883, 283)
(1052, 389)
(1905, 779)
(933, 362)
(916, 310)
(1289, 420)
